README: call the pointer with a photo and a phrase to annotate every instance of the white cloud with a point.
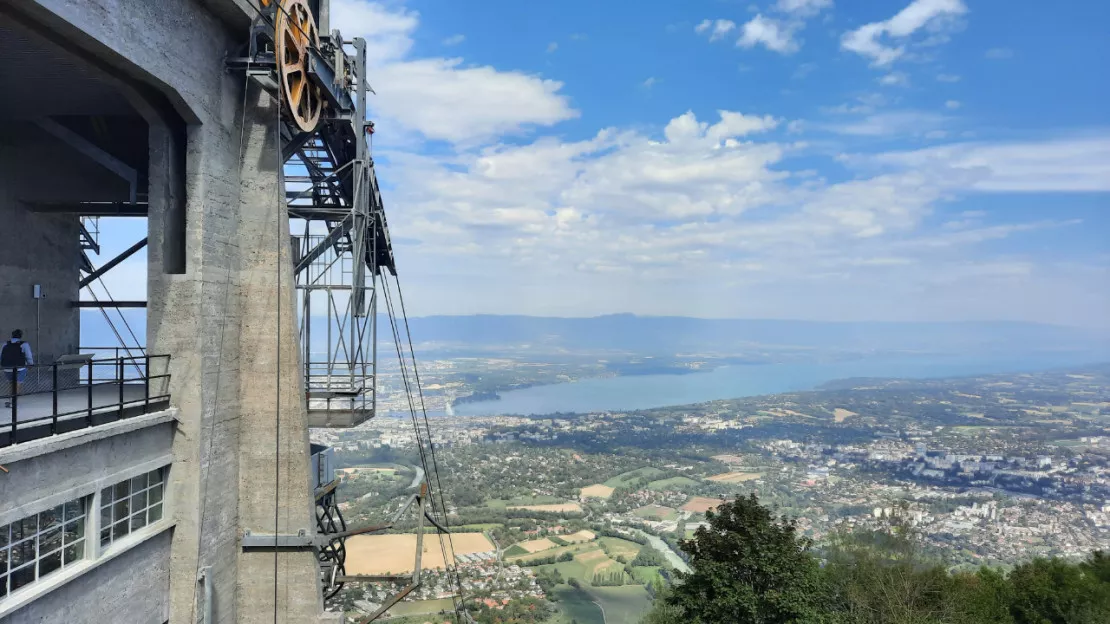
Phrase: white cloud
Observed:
(717, 29)
(947, 78)
(999, 54)
(388, 31)
(929, 14)
(650, 82)
(952, 104)
(551, 47)
(771, 33)
(714, 216)
(442, 98)
(891, 124)
(454, 40)
(1080, 165)
(899, 79)
(803, 8)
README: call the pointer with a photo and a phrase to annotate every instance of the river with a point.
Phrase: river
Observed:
(672, 557)
(727, 382)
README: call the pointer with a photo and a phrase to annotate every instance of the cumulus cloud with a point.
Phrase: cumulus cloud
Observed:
(442, 98)
(716, 29)
(772, 34)
(803, 8)
(868, 40)
(704, 214)
(899, 79)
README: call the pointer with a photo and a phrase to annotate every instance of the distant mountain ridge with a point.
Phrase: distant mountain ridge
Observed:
(669, 335)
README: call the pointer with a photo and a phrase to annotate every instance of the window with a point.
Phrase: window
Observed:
(130, 505)
(40, 544)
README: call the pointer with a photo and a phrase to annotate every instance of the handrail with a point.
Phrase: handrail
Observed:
(70, 382)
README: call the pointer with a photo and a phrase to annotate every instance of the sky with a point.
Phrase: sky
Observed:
(802, 159)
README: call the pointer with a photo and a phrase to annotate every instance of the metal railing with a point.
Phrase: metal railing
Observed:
(76, 393)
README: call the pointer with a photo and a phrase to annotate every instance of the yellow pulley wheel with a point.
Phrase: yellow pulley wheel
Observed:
(295, 33)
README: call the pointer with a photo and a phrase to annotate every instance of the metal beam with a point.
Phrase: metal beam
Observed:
(108, 266)
(109, 304)
(333, 237)
(93, 151)
(90, 209)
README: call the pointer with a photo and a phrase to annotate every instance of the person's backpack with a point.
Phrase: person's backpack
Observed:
(13, 355)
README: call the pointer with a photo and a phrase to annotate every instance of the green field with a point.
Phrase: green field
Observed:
(663, 513)
(574, 548)
(521, 501)
(621, 605)
(423, 606)
(577, 605)
(625, 478)
(468, 528)
(646, 574)
(618, 546)
(674, 483)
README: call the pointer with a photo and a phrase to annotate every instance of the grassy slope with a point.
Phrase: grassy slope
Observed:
(622, 605)
(576, 604)
(423, 606)
(674, 483)
(640, 472)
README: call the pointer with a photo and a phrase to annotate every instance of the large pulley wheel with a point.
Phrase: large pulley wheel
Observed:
(295, 33)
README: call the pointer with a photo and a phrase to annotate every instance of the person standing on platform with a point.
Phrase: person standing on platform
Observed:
(14, 359)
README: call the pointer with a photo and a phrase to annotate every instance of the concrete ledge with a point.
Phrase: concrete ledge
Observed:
(53, 444)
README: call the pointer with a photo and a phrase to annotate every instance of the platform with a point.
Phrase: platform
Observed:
(35, 412)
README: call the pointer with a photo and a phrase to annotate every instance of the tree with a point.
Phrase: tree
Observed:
(1053, 591)
(748, 566)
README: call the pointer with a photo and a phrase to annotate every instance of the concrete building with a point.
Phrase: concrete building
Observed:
(133, 500)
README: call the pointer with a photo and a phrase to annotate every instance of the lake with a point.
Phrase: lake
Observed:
(728, 382)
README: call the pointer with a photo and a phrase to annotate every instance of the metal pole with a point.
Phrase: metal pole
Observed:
(15, 402)
(54, 422)
(146, 386)
(88, 417)
(119, 374)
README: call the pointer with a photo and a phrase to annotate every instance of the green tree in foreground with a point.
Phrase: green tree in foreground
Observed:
(751, 568)
(748, 567)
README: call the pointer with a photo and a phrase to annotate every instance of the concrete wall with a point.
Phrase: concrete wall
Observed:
(38, 249)
(222, 306)
(131, 588)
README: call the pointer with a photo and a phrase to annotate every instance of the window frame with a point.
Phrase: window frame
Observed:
(37, 543)
(118, 513)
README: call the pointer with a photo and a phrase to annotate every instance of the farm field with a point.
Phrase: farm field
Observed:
(575, 605)
(417, 607)
(735, 477)
(626, 477)
(596, 562)
(618, 546)
(523, 557)
(522, 501)
(621, 605)
(673, 483)
(701, 504)
(382, 554)
(839, 414)
(659, 511)
(536, 545)
(596, 491)
(550, 507)
(579, 537)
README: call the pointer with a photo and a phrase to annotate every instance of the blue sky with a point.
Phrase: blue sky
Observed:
(816, 159)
